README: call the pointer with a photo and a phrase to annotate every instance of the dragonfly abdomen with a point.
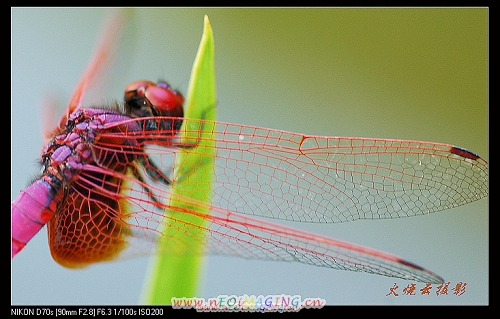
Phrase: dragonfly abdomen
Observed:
(33, 208)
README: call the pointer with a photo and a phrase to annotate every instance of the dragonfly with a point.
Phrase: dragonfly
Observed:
(105, 191)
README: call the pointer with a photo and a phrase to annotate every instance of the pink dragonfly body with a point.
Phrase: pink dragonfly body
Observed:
(108, 172)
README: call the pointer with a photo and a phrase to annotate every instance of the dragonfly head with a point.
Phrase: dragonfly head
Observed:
(145, 98)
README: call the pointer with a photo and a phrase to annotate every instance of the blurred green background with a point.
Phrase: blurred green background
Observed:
(418, 74)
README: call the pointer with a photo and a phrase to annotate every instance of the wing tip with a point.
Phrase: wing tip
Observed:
(430, 277)
(464, 153)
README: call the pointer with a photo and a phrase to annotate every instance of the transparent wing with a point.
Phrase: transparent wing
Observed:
(280, 175)
(324, 179)
(99, 61)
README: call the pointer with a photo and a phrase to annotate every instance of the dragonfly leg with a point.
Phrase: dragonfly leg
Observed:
(153, 172)
(150, 193)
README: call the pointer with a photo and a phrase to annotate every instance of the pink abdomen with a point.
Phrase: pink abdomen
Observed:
(32, 209)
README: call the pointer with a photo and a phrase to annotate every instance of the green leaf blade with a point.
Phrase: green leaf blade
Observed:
(176, 274)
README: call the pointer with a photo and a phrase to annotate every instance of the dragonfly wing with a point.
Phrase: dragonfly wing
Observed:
(297, 177)
(223, 232)
(294, 177)
(247, 237)
(89, 226)
(100, 59)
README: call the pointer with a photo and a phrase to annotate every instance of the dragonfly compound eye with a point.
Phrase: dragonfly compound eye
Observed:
(146, 98)
(168, 102)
